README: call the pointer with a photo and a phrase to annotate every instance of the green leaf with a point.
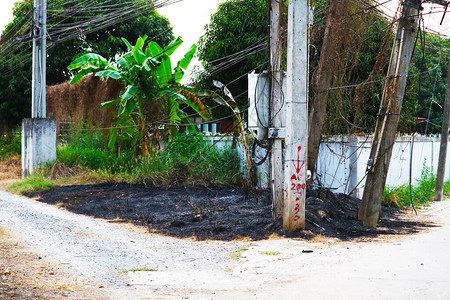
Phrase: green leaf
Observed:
(164, 72)
(130, 92)
(186, 60)
(137, 50)
(109, 73)
(169, 49)
(123, 63)
(113, 133)
(127, 107)
(153, 50)
(109, 103)
(129, 58)
(81, 74)
(90, 59)
(174, 108)
(149, 63)
(129, 46)
(179, 74)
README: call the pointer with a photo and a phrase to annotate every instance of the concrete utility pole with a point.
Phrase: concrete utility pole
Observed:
(296, 116)
(276, 104)
(389, 113)
(444, 141)
(38, 133)
(38, 81)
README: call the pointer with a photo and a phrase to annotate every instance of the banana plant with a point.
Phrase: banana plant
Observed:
(225, 98)
(152, 90)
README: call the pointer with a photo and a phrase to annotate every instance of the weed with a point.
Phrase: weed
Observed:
(447, 188)
(84, 158)
(35, 183)
(270, 253)
(10, 146)
(421, 194)
(144, 269)
(236, 254)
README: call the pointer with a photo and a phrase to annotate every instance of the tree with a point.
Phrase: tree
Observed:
(15, 46)
(348, 50)
(428, 73)
(152, 90)
(235, 43)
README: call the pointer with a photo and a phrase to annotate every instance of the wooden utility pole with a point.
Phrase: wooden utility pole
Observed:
(296, 116)
(276, 104)
(389, 113)
(444, 141)
(38, 82)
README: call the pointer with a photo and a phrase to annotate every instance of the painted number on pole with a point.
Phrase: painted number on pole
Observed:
(298, 183)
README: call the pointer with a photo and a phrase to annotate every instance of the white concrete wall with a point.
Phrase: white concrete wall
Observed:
(342, 162)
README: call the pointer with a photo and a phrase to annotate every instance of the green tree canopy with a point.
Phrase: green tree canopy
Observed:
(74, 27)
(234, 44)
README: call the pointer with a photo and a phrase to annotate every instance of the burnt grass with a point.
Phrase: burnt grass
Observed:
(223, 212)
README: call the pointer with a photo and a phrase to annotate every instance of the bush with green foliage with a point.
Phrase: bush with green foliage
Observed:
(187, 158)
(89, 150)
(422, 193)
(10, 146)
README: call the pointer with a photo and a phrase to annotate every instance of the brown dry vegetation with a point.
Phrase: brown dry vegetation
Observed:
(10, 171)
(80, 103)
(26, 275)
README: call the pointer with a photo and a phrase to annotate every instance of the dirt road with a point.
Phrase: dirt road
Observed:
(51, 253)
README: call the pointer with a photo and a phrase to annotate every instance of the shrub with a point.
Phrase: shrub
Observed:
(421, 194)
(10, 147)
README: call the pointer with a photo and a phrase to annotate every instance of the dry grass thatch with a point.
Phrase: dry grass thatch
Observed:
(80, 103)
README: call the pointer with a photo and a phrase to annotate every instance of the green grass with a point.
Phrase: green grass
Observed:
(236, 254)
(270, 253)
(84, 158)
(447, 188)
(10, 146)
(144, 269)
(421, 194)
(36, 183)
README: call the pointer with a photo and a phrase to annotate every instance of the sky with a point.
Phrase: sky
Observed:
(6, 7)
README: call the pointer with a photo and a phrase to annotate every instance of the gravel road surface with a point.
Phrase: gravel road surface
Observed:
(408, 267)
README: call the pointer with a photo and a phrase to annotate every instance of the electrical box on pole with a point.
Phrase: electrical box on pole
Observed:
(296, 140)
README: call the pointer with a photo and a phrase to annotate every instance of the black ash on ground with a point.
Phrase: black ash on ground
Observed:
(223, 212)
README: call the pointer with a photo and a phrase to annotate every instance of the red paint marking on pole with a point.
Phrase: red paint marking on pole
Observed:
(298, 186)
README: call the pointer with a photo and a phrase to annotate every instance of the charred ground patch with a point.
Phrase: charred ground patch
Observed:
(223, 212)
